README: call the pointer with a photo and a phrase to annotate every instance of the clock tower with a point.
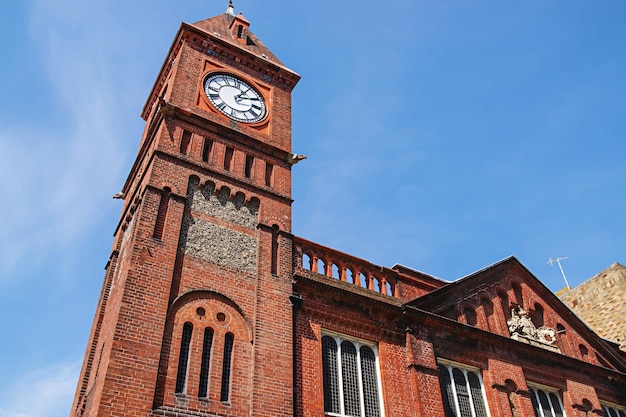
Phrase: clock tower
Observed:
(194, 317)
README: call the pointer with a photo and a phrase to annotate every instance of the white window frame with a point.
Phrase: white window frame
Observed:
(606, 406)
(357, 344)
(448, 364)
(534, 387)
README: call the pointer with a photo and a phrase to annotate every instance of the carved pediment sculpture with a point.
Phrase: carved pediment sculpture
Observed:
(520, 325)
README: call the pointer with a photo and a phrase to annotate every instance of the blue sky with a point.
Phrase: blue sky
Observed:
(444, 136)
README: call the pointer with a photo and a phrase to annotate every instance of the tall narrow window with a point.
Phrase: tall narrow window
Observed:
(239, 31)
(184, 142)
(274, 265)
(183, 359)
(249, 165)
(331, 376)
(371, 400)
(462, 392)
(229, 340)
(228, 158)
(546, 403)
(269, 172)
(206, 362)
(351, 386)
(206, 149)
(350, 377)
(159, 225)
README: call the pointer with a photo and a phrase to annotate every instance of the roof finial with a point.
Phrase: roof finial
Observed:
(230, 9)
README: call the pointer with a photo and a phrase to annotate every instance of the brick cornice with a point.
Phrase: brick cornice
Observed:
(280, 75)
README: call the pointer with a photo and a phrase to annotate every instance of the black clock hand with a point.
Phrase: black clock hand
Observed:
(243, 93)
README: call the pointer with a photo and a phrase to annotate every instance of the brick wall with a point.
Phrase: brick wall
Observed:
(203, 243)
(600, 303)
(204, 246)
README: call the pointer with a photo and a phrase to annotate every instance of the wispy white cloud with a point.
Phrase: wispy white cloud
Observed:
(54, 174)
(53, 388)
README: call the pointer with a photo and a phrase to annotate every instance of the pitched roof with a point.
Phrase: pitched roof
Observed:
(446, 296)
(220, 26)
(473, 287)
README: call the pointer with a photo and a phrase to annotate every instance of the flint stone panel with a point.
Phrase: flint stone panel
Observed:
(222, 207)
(220, 245)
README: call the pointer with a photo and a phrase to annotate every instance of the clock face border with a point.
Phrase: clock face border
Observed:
(234, 97)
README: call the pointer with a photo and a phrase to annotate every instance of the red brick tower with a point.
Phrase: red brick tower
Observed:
(194, 317)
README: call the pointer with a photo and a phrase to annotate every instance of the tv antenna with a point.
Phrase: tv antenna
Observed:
(558, 262)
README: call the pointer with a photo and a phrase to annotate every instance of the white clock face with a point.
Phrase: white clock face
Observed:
(235, 98)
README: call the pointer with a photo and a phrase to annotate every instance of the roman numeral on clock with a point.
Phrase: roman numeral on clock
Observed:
(230, 96)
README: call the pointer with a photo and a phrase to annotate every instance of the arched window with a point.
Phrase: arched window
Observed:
(164, 202)
(536, 316)
(229, 341)
(584, 352)
(183, 358)
(470, 316)
(350, 378)
(546, 403)
(206, 362)
(462, 392)
(206, 354)
(274, 258)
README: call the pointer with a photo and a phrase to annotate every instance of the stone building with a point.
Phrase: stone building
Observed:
(601, 303)
(211, 306)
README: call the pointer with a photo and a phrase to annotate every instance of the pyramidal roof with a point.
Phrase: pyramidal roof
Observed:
(219, 26)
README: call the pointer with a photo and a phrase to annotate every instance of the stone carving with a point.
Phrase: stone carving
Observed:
(520, 324)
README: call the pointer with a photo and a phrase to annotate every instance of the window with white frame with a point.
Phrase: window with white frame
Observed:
(546, 401)
(462, 390)
(351, 377)
(611, 410)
